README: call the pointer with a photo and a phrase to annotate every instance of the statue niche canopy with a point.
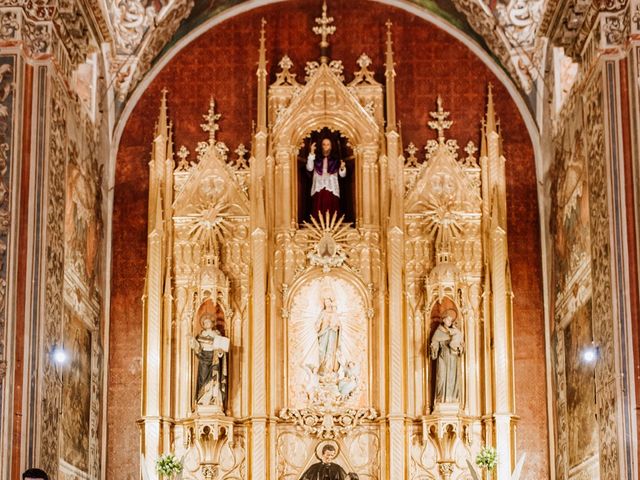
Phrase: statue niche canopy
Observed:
(322, 332)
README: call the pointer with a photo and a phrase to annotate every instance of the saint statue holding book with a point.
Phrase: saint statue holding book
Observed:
(211, 349)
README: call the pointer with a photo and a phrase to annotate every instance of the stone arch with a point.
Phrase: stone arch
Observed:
(196, 117)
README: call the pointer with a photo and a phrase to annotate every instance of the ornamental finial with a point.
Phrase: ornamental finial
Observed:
(212, 121)
(441, 123)
(324, 29)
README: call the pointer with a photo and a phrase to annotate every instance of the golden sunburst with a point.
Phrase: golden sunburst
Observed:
(210, 225)
(327, 224)
(327, 236)
(442, 222)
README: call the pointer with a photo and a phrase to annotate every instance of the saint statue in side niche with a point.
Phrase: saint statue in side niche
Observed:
(328, 330)
(325, 187)
(447, 346)
(211, 349)
(326, 469)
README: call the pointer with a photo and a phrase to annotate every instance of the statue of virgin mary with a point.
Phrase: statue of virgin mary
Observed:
(328, 331)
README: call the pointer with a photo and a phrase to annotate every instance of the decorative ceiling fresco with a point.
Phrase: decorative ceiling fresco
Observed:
(143, 30)
(203, 10)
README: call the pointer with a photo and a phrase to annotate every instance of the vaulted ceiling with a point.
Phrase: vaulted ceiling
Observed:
(142, 30)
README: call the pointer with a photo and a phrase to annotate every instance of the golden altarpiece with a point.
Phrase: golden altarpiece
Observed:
(414, 375)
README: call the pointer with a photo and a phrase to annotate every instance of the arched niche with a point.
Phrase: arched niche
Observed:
(213, 311)
(314, 374)
(326, 103)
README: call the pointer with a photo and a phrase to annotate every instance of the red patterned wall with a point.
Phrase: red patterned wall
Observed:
(222, 63)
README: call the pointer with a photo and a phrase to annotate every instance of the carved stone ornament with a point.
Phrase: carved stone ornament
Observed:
(139, 34)
(7, 87)
(327, 425)
(327, 235)
(510, 33)
(616, 28)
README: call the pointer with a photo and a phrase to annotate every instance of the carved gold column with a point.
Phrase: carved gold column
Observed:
(258, 308)
(369, 196)
(393, 190)
(282, 182)
(155, 437)
(497, 269)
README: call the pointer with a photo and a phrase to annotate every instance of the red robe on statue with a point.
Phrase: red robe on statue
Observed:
(325, 190)
(324, 201)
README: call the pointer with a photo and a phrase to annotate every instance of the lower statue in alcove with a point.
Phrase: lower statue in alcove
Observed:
(211, 349)
(446, 348)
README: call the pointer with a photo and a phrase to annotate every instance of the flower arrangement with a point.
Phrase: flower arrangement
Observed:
(168, 465)
(487, 458)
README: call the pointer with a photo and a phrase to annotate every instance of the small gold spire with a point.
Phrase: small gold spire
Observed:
(324, 29)
(389, 24)
(161, 125)
(390, 75)
(262, 79)
(263, 23)
(441, 123)
(211, 119)
(491, 113)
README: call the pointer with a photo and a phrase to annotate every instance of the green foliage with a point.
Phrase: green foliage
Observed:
(168, 465)
(487, 458)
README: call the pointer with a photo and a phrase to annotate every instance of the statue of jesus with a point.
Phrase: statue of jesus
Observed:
(325, 188)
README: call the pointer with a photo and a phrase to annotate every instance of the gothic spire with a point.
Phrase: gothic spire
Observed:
(390, 75)
(491, 114)
(262, 81)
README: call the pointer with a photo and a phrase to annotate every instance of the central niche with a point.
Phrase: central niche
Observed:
(341, 151)
(328, 344)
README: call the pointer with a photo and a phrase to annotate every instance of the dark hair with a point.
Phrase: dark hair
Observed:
(353, 476)
(35, 473)
(334, 148)
(328, 446)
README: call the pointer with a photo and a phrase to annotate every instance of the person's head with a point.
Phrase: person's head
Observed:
(35, 474)
(326, 146)
(207, 323)
(449, 317)
(328, 302)
(328, 453)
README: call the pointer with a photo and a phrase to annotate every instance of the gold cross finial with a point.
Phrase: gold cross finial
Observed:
(440, 124)
(324, 27)
(212, 121)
